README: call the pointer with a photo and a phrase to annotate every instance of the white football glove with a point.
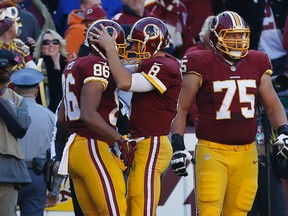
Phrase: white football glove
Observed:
(282, 142)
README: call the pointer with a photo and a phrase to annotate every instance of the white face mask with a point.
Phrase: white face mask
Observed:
(13, 14)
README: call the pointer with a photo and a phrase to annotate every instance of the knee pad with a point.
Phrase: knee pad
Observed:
(246, 195)
(210, 194)
(209, 187)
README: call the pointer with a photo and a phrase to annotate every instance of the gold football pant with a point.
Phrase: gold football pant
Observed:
(152, 157)
(98, 180)
(226, 178)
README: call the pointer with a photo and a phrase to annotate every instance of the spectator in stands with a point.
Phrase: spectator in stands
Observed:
(30, 29)
(112, 7)
(131, 12)
(174, 14)
(52, 48)
(65, 7)
(198, 11)
(51, 5)
(40, 12)
(266, 20)
(9, 32)
(78, 22)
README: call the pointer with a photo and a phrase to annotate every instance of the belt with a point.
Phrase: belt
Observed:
(227, 147)
(137, 139)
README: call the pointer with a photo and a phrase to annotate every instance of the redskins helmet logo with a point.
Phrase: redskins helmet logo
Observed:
(151, 31)
(110, 30)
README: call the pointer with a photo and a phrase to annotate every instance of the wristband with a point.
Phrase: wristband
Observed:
(177, 142)
(283, 129)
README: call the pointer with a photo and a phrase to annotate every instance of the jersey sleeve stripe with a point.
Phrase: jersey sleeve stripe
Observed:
(97, 79)
(155, 82)
(269, 71)
(198, 74)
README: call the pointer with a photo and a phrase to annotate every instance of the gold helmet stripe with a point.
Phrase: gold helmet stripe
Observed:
(236, 19)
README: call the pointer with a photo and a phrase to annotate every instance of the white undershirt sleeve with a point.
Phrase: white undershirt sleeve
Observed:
(140, 84)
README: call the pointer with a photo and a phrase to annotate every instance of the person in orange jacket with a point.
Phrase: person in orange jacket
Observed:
(74, 35)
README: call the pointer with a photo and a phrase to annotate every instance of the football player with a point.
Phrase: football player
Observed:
(226, 83)
(89, 111)
(156, 86)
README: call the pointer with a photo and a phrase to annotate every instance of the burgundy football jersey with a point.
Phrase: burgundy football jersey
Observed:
(198, 46)
(76, 74)
(227, 97)
(124, 18)
(152, 112)
(174, 15)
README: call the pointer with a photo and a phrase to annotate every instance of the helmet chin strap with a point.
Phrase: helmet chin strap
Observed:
(158, 48)
(101, 54)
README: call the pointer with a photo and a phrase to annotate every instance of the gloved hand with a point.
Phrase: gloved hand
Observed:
(282, 141)
(127, 151)
(178, 161)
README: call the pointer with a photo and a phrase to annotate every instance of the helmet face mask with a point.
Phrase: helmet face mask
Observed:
(110, 26)
(230, 35)
(148, 36)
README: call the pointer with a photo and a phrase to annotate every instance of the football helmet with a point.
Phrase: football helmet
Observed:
(230, 34)
(110, 26)
(148, 36)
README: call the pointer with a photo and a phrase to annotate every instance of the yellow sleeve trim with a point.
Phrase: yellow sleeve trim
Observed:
(97, 79)
(198, 74)
(155, 82)
(269, 71)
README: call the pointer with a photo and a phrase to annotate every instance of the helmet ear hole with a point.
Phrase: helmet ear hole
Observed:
(213, 24)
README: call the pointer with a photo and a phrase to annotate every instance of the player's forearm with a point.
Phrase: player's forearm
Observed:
(277, 116)
(61, 117)
(96, 123)
(179, 124)
(120, 74)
